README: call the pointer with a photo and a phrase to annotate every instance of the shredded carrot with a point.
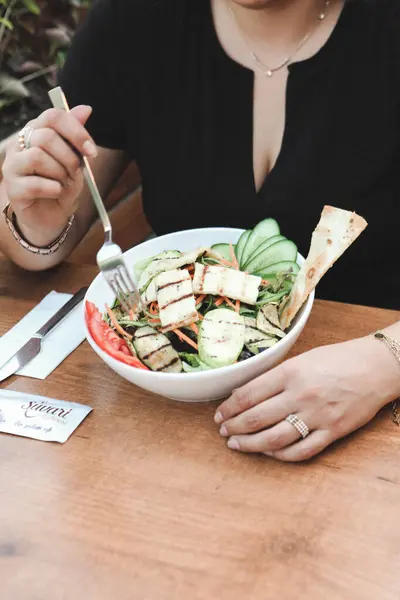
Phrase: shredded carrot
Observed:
(200, 298)
(201, 317)
(229, 302)
(265, 281)
(194, 328)
(223, 261)
(153, 308)
(133, 312)
(227, 263)
(190, 268)
(185, 338)
(237, 306)
(222, 299)
(115, 323)
(235, 263)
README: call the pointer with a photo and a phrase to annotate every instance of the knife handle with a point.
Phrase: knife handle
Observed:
(61, 314)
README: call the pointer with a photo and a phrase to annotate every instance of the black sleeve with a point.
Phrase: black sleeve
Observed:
(91, 74)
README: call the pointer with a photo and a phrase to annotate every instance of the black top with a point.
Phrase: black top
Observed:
(163, 89)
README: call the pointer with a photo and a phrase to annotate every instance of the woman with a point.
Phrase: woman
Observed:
(235, 110)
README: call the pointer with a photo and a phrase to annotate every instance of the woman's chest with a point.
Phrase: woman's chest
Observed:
(217, 134)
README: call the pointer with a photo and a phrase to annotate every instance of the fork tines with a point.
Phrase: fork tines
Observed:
(123, 287)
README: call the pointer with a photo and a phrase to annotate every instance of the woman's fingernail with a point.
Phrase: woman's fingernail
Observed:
(89, 149)
(218, 418)
(233, 444)
(223, 431)
(268, 453)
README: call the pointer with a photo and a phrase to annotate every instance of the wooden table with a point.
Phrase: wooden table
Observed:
(144, 502)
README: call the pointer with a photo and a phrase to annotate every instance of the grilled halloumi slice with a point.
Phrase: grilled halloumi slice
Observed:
(159, 266)
(175, 299)
(226, 282)
(156, 351)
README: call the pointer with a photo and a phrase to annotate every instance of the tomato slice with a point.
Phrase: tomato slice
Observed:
(106, 338)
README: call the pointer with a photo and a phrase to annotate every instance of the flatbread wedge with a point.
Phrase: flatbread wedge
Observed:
(335, 232)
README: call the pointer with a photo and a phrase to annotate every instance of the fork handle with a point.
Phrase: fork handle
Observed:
(59, 101)
(101, 209)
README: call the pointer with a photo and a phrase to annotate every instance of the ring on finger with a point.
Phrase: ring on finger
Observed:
(298, 424)
(24, 137)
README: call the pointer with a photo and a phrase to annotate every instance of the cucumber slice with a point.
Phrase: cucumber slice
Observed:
(278, 252)
(241, 245)
(264, 245)
(279, 267)
(223, 250)
(262, 231)
(221, 337)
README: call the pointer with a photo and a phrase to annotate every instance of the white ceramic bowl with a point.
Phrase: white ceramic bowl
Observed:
(206, 385)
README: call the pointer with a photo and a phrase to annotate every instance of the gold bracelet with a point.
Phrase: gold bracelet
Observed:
(394, 346)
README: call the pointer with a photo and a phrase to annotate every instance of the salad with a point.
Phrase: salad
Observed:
(213, 307)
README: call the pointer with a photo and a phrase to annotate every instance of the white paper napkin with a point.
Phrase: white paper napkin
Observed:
(58, 344)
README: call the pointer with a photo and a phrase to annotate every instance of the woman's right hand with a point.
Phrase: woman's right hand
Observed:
(43, 183)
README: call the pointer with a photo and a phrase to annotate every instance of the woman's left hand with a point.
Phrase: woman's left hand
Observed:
(334, 389)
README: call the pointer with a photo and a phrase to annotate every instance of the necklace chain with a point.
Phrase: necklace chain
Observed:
(269, 71)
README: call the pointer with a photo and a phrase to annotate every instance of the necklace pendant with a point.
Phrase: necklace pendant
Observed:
(269, 73)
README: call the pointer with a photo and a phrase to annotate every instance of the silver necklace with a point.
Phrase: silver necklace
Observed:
(269, 71)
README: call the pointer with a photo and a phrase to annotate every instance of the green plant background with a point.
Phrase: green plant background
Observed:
(34, 39)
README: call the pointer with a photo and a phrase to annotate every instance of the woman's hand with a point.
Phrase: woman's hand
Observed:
(334, 389)
(43, 182)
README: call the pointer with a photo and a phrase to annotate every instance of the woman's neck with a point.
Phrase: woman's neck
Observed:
(277, 24)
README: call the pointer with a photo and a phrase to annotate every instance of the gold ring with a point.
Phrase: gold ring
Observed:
(24, 137)
(298, 424)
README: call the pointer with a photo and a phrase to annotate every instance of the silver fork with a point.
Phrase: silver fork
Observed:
(109, 258)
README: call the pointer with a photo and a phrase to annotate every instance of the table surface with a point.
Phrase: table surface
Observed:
(145, 502)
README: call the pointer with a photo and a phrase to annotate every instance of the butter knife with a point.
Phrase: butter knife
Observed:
(33, 347)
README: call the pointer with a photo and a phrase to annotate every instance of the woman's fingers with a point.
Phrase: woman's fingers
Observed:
(265, 414)
(36, 161)
(51, 142)
(304, 449)
(69, 128)
(264, 387)
(30, 188)
(275, 438)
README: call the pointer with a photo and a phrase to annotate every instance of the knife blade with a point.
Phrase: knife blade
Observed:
(32, 348)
